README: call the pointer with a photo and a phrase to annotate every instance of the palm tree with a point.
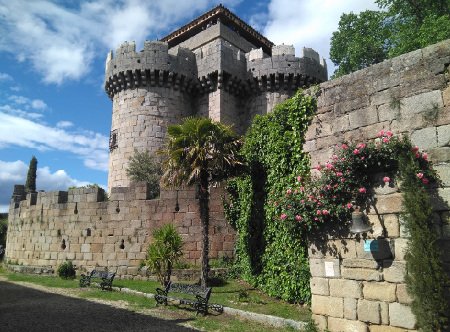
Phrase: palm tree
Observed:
(199, 152)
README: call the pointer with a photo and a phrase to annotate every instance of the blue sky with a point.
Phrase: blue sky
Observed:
(52, 59)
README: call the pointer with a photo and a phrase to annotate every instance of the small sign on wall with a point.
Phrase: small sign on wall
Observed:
(329, 269)
(371, 245)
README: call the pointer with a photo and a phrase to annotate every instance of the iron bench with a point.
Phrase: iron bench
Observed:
(105, 276)
(199, 303)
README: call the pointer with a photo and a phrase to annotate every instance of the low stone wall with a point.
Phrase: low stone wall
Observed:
(48, 228)
(358, 285)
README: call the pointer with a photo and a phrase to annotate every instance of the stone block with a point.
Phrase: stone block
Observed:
(380, 291)
(402, 294)
(337, 324)
(361, 274)
(425, 138)
(345, 288)
(401, 245)
(384, 313)
(401, 316)
(328, 306)
(385, 328)
(369, 311)
(360, 263)
(85, 247)
(387, 204)
(443, 135)
(392, 225)
(363, 117)
(319, 286)
(350, 308)
(394, 271)
(320, 321)
(381, 249)
(421, 103)
(317, 267)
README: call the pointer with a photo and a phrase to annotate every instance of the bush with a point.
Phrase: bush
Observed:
(142, 166)
(3, 231)
(66, 270)
(164, 252)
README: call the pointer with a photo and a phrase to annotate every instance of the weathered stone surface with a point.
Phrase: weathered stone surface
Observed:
(425, 138)
(350, 308)
(392, 225)
(421, 103)
(443, 135)
(319, 286)
(402, 294)
(337, 324)
(361, 263)
(369, 311)
(380, 291)
(317, 267)
(361, 274)
(394, 272)
(328, 306)
(320, 321)
(385, 328)
(345, 288)
(401, 245)
(401, 316)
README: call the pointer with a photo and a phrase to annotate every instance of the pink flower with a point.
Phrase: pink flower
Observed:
(380, 133)
(419, 175)
(386, 179)
(425, 156)
(334, 157)
(342, 179)
(425, 181)
(356, 151)
(361, 146)
(415, 148)
(283, 216)
(417, 155)
(362, 158)
(329, 166)
(318, 167)
(325, 212)
(318, 212)
(344, 146)
(299, 178)
(389, 133)
(298, 218)
(302, 189)
(289, 191)
(339, 174)
(349, 205)
(385, 140)
(362, 190)
(302, 201)
(328, 187)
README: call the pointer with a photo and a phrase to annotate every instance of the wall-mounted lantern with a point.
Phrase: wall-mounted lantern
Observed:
(177, 205)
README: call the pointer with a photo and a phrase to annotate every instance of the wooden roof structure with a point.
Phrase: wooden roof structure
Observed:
(226, 17)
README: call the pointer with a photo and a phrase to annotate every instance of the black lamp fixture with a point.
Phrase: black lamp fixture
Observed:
(177, 205)
(359, 222)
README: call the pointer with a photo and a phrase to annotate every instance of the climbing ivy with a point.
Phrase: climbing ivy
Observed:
(270, 255)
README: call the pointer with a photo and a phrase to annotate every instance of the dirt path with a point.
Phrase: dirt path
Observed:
(30, 307)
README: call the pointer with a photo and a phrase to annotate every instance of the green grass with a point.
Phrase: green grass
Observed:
(46, 281)
(135, 301)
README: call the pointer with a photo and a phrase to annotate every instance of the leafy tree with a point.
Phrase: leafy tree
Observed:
(30, 185)
(361, 40)
(3, 230)
(200, 151)
(164, 252)
(143, 166)
(402, 26)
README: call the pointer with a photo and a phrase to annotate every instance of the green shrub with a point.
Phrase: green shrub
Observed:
(164, 252)
(143, 166)
(3, 231)
(66, 270)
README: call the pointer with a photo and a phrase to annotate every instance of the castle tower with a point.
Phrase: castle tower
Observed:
(215, 66)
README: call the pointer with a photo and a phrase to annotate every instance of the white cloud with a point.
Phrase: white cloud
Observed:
(89, 146)
(5, 77)
(306, 23)
(61, 42)
(15, 172)
(64, 124)
(38, 104)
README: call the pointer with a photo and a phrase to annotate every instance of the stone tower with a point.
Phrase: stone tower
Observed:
(215, 66)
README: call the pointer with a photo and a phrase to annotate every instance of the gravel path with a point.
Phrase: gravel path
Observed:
(32, 309)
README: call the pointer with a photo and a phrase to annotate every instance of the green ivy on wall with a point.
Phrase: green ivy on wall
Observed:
(271, 255)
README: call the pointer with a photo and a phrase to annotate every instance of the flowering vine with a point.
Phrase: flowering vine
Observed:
(346, 181)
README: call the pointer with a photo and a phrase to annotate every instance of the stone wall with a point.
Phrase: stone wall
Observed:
(358, 285)
(47, 228)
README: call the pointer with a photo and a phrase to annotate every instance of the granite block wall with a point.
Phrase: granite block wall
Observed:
(358, 283)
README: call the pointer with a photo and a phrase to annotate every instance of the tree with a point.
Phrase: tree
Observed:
(164, 252)
(30, 185)
(143, 166)
(403, 26)
(361, 40)
(200, 151)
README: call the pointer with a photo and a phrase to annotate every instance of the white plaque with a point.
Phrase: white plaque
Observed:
(329, 269)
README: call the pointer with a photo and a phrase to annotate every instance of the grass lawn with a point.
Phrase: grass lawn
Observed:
(233, 293)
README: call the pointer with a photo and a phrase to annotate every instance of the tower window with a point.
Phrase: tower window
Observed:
(113, 140)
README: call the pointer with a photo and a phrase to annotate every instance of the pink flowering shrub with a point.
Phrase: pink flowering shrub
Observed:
(345, 182)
